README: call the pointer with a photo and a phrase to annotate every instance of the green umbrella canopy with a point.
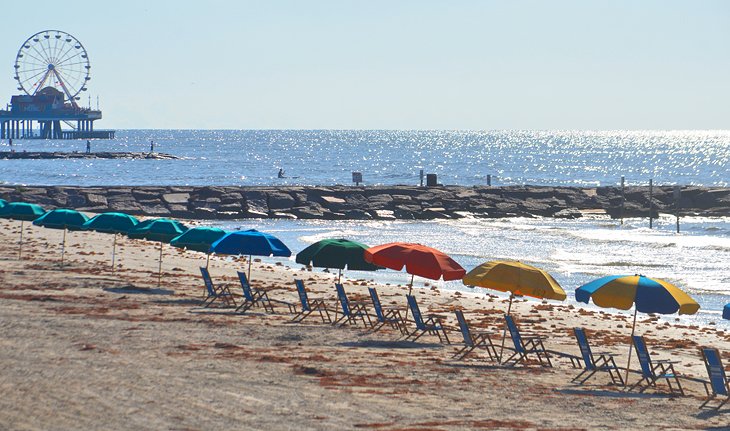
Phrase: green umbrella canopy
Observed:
(198, 238)
(21, 211)
(3, 202)
(161, 229)
(111, 223)
(336, 253)
(62, 219)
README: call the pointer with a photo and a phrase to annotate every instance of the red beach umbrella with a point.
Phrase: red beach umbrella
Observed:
(417, 259)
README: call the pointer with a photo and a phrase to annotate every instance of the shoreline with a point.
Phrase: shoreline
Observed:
(375, 202)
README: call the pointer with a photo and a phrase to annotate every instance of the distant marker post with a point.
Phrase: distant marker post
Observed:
(677, 197)
(651, 203)
(623, 199)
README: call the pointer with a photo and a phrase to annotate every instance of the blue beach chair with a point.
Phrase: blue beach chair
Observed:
(258, 298)
(593, 364)
(310, 305)
(719, 383)
(222, 293)
(474, 340)
(351, 311)
(525, 346)
(390, 316)
(651, 371)
(429, 324)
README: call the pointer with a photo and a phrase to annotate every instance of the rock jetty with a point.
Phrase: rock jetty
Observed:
(373, 202)
(39, 155)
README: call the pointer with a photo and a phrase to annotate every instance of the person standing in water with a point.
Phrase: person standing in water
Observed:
(88, 147)
(152, 146)
(281, 172)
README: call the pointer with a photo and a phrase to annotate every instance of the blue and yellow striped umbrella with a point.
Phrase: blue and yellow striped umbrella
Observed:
(647, 295)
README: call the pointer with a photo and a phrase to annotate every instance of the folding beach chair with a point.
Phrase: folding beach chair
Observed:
(653, 371)
(258, 298)
(222, 293)
(525, 346)
(592, 364)
(310, 305)
(351, 311)
(429, 324)
(473, 340)
(719, 383)
(390, 316)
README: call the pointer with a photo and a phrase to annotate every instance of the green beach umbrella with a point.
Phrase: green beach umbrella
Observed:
(62, 219)
(336, 253)
(24, 212)
(162, 230)
(111, 222)
(198, 239)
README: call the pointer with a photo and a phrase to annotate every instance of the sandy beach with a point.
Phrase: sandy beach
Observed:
(85, 348)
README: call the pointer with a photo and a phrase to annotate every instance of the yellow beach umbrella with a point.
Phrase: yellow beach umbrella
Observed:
(517, 278)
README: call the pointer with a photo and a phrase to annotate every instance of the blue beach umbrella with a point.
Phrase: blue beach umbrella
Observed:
(198, 239)
(726, 312)
(61, 218)
(647, 295)
(252, 243)
(111, 222)
(162, 230)
(21, 211)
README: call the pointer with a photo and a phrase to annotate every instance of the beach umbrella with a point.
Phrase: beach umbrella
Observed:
(517, 278)
(161, 230)
(336, 253)
(726, 312)
(198, 239)
(647, 295)
(3, 202)
(417, 259)
(111, 222)
(61, 218)
(21, 211)
(252, 243)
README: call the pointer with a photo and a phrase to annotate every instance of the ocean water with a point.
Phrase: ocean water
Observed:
(574, 251)
(324, 157)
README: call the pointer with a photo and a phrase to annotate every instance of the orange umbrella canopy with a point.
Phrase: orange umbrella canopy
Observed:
(417, 259)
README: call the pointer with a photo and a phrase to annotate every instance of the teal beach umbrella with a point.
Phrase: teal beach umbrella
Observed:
(162, 230)
(3, 202)
(111, 222)
(62, 219)
(336, 253)
(21, 211)
(198, 239)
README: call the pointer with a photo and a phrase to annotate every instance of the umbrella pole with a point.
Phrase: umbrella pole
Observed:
(20, 244)
(63, 246)
(249, 268)
(339, 275)
(114, 249)
(631, 341)
(504, 332)
(207, 261)
(159, 268)
(410, 286)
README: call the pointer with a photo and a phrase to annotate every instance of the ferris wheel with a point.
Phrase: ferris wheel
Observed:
(52, 58)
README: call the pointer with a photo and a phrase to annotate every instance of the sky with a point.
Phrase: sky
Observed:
(388, 64)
